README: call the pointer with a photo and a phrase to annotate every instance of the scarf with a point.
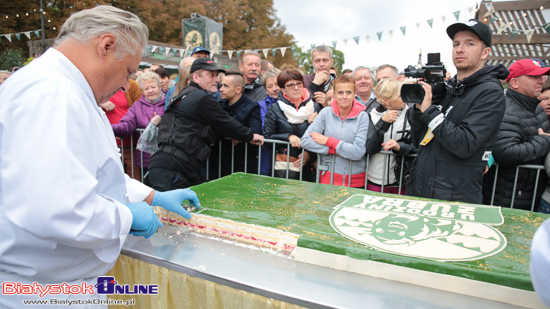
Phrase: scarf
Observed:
(160, 98)
(298, 116)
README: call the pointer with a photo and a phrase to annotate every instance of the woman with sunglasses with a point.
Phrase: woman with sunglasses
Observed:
(287, 120)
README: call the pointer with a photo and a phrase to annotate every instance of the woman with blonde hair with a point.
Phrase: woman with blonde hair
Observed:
(389, 130)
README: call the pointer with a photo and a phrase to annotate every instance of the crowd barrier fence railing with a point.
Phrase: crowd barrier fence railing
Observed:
(328, 168)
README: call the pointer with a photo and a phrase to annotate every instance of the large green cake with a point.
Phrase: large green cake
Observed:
(305, 209)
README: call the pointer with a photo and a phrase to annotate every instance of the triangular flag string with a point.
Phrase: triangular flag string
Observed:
(283, 51)
(457, 15)
(8, 36)
(334, 44)
(403, 29)
(18, 36)
(367, 37)
(265, 50)
(502, 27)
(230, 54)
(274, 52)
(514, 33)
(391, 33)
(356, 40)
(345, 42)
(529, 34)
(430, 22)
(28, 34)
(379, 34)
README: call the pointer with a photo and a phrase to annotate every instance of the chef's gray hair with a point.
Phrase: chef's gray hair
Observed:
(131, 34)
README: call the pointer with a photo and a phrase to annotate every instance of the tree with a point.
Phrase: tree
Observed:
(252, 24)
(305, 62)
(10, 58)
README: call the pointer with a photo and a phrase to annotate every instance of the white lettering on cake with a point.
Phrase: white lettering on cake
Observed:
(448, 214)
(419, 205)
(413, 211)
(371, 199)
(393, 202)
(429, 213)
(467, 212)
(446, 208)
(378, 207)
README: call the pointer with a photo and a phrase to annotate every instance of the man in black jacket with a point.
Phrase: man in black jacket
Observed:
(454, 138)
(193, 121)
(250, 66)
(248, 114)
(520, 140)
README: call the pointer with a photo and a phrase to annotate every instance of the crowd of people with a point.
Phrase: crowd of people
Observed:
(66, 206)
(455, 141)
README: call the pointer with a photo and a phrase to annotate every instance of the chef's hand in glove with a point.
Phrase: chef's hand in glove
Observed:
(171, 201)
(145, 222)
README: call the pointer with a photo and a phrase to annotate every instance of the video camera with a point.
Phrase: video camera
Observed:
(433, 73)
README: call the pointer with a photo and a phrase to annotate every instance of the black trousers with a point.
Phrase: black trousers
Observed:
(162, 179)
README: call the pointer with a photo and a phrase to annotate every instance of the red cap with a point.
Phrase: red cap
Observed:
(526, 67)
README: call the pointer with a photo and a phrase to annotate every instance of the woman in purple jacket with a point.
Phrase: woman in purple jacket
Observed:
(149, 108)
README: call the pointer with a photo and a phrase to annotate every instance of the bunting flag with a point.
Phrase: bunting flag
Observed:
(443, 18)
(28, 34)
(312, 46)
(18, 36)
(490, 9)
(265, 50)
(391, 33)
(334, 44)
(547, 27)
(379, 34)
(273, 52)
(283, 50)
(430, 22)
(418, 26)
(529, 34)
(238, 54)
(457, 15)
(230, 54)
(293, 49)
(502, 27)
(403, 29)
(37, 33)
(345, 42)
(167, 51)
(493, 19)
(8, 36)
(514, 33)
(367, 37)
(471, 10)
(189, 50)
(356, 40)
(183, 52)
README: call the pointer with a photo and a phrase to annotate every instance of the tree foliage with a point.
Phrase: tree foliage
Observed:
(247, 24)
(11, 58)
(305, 63)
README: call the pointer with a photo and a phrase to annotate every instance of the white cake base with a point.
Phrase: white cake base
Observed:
(419, 277)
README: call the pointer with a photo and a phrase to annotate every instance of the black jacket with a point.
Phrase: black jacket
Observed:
(248, 114)
(450, 167)
(277, 126)
(191, 124)
(377, 132)
(518, 142)
(255, 91)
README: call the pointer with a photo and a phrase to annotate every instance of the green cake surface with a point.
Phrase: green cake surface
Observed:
(304, 208)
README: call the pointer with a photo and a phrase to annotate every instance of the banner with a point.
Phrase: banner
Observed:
(356, 40)
(430, 22)
(514, 33)
(28, 34)
(265, 50)
(273, 52)
(529, 34)
(457, 15)
(283, 51)
(202, 31)
(230, 54)
(334, 44)
(403, 29)
(502, 27)
(379, 34)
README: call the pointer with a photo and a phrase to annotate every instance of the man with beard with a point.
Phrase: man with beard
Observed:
(455, 138)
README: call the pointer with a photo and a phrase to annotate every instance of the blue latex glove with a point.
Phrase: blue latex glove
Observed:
(145, 221)
(171, 201)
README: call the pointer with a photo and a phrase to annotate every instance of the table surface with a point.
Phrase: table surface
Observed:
(273, 274)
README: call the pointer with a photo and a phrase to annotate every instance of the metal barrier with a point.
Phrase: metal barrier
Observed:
(323, 168)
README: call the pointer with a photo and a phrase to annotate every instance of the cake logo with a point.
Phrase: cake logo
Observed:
(428, 230)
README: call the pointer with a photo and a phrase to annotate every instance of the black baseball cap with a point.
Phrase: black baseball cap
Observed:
(205, 64)
(473, 25)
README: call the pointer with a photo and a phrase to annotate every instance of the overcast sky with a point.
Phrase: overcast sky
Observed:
(324, 21)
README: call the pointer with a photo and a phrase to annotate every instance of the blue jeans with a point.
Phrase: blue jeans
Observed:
(544, 207)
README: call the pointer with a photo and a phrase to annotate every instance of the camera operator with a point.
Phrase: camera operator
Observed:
(455, 138)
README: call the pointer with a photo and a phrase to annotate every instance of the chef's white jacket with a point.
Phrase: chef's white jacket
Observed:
(540, 262)
(62, 186)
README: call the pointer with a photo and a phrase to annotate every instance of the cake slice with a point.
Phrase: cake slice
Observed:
(256, 235)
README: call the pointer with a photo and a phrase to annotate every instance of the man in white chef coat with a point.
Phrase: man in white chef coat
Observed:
(66, 206)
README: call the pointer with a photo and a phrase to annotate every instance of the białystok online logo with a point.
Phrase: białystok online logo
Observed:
(105, 285)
